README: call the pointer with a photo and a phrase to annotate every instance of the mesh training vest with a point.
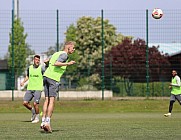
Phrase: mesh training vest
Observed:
(55, 72)
(175, 90)
(35, 78)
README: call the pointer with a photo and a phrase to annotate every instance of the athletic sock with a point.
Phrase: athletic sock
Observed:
(37, 116)
(43, 119)
(33, 110)
(47, 119)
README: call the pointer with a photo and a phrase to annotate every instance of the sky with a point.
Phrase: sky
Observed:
(91, 4)
(36, 40)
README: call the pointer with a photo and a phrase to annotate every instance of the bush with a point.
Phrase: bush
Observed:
(140, 89)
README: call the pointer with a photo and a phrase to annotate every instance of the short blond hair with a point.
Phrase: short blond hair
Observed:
(69, 43)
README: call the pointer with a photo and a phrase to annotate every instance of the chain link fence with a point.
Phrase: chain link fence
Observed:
(126, 51)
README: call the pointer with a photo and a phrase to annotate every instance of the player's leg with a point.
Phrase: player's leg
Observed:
(172, 100)
(45, 107)
(178, 97)
(37, 96)
(53, 88)
(50, 108)
(26, 102)
(46, 102)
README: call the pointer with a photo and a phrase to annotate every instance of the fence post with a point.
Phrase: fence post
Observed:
(102, 22)
(58, 97)
(111, 79)
(147, 57)
(57, 31)
(12, 49)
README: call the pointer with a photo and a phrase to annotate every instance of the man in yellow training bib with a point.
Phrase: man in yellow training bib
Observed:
(35, 87)
(56, 67)
(175, 92)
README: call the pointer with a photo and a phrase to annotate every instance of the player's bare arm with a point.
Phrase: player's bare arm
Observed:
(64, 64)
(24, 81)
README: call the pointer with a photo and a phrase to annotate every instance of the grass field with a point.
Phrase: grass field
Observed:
(95, 120)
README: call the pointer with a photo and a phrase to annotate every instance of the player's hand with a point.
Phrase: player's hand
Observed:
(170, 87)
(71, 62)
(22, 84)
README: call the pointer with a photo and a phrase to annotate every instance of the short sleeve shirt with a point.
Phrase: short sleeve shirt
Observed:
(62, 58)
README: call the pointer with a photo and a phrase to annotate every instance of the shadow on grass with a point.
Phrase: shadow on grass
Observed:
(25, 121)
(45, 132)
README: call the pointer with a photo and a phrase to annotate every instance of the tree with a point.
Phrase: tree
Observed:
(72, 70)
(87, 35)
(129, 62)
(70, 33)
(89, 40)
(129, 59)
(20, 48)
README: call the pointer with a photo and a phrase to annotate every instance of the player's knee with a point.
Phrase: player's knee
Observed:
(25, 103)
(36, 102)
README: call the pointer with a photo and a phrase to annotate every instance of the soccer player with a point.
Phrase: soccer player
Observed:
(35, 87)
(56, 67)
(175, 92)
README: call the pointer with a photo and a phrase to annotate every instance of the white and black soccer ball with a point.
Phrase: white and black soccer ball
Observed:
(157, 13)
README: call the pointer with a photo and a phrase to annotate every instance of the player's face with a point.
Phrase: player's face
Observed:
(36, 61)
(71, 49)
(174, 73)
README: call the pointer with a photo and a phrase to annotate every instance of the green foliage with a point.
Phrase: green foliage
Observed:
(83, 81)
(73, 68)
(87, 34)
(89, 83)
(96, 80)
(89, 39)
(71, 36)
(157, 89)
(20, 48)
(70, 33)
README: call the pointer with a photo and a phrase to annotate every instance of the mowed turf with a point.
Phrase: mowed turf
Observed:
(95, 120)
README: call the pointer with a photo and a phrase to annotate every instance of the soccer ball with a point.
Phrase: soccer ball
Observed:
(157, 13)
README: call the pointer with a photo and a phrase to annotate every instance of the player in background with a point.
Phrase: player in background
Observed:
(56, 67)
(175, 92)
(35, 86)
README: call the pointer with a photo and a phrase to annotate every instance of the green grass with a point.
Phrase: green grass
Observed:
(94, 120)
(96, 106)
